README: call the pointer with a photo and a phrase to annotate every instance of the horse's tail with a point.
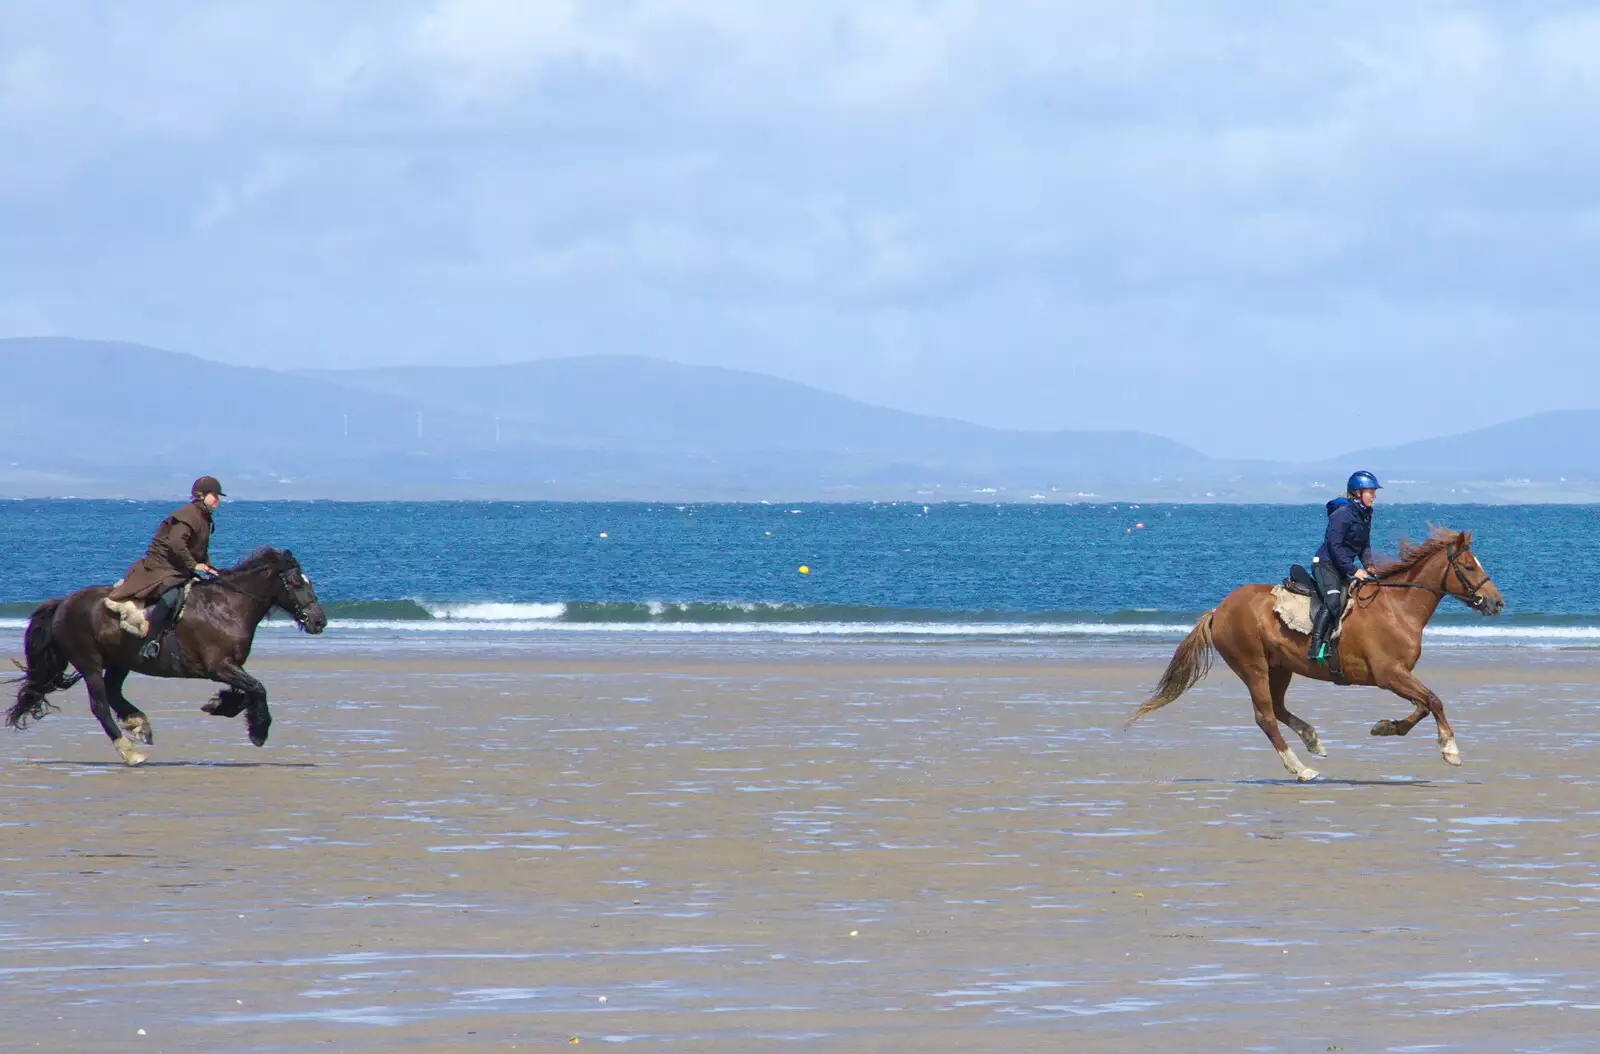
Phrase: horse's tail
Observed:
(1189, 663)
(45, 670)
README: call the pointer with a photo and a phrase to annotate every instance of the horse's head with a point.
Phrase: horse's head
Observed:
(1447, 557)
(1468, 580)
(291, 591)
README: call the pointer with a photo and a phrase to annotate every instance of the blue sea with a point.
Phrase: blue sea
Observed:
(908, 570)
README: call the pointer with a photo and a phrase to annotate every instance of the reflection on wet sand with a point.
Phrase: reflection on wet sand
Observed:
(738, 846)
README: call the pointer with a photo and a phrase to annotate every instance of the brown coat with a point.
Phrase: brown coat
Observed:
(182, 541)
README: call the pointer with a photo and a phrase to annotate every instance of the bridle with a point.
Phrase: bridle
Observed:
(1470, 594)
(298, 613)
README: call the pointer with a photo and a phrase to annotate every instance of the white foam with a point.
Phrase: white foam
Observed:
(492, 612)
(785, 629)
(543, 618)
(1515, 632)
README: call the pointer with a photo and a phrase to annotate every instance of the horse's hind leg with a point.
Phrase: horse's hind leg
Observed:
(1278, 680)
(100, 704)
(1259, 683)
(134, 721)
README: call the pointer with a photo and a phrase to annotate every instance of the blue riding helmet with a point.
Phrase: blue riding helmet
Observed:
(1362, 481)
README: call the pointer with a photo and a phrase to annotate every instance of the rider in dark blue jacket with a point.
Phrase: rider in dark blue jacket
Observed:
(1346, 553)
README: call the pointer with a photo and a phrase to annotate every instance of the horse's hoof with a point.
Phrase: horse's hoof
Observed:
(1319, 750)
(1385, 728)
(1451, 755)
(130, 756)
(259, 738)
(1307, 775)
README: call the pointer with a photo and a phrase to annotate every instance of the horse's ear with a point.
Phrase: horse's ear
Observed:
(1464, 540)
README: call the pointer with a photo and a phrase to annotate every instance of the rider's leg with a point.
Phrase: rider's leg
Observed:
(1330, 587)
(160, 618)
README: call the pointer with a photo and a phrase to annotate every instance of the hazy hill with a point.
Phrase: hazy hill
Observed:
(105, 419)
(1548, 446)
(87, 417)
(105, 400)
(636, 402)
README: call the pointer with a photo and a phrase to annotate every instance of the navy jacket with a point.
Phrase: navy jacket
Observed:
(1347, 544)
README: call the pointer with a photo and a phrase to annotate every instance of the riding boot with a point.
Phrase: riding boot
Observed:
(1320, 626)
(160, 618)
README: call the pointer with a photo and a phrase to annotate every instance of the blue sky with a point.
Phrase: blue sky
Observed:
(1165, 216)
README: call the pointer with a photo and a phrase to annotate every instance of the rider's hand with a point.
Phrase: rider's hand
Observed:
(1361, 574)
(205, 569)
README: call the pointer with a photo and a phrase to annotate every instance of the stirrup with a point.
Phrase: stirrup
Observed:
(151, 649)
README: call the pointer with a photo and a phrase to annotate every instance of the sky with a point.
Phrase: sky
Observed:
(1371, 221)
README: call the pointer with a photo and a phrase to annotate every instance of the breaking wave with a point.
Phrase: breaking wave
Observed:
(746, 617)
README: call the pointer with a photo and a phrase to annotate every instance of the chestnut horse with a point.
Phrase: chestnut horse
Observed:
(1379, 644)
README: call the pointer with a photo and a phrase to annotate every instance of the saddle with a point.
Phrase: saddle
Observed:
(1295, 602)
(1300, 582)
(1297, 598)
(136, 620)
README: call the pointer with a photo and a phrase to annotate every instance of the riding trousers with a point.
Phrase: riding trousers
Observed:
(162, 611)
(1330, 586)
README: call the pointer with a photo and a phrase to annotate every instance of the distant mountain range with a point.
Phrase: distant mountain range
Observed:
(102, 419)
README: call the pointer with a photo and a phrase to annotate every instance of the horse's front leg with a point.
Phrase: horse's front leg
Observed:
(230, 702)
(258, 719)
(1387, 727)
(1421, 697)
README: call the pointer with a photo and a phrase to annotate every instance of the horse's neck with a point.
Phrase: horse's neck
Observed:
(249, 590)
(1421, 603)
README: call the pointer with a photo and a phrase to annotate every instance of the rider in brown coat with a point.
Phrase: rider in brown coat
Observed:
(180, 548)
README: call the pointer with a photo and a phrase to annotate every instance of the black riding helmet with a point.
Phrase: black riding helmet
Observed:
(206, 485)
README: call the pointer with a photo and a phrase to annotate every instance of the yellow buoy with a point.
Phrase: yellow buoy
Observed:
(603, 534)
(804, 569)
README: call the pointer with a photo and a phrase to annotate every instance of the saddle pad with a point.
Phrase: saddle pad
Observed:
(146, 609)
(1294, 611)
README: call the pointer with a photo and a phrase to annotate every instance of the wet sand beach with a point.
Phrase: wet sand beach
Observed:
(768, 845)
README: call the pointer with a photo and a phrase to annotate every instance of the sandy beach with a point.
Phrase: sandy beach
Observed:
(745, 845)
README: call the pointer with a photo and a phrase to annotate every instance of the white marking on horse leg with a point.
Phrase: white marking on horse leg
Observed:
(1449, 751)
(1297, 769)
(130, 756)
(139, 728)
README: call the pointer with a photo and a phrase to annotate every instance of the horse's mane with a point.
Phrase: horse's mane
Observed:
(1414, 553)
(266, 556)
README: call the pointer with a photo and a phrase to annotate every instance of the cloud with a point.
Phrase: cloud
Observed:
(1042, 213)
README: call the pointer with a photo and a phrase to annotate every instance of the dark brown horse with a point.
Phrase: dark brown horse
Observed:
(211, 640)
(1379, 645)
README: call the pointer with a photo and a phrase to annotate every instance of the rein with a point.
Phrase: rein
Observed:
(298, 616)
(1469, 594)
